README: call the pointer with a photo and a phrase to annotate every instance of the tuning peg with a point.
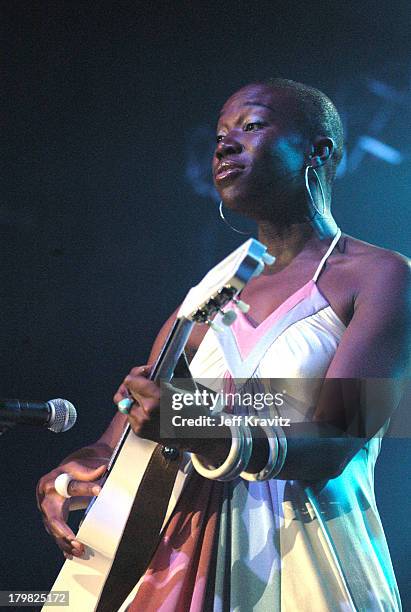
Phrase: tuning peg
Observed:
(217, 328)
(228, 317)
(258, 270)
(268, 259)
(241, 305)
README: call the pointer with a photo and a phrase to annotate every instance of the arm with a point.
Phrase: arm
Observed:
(87, 465)
(376, 344)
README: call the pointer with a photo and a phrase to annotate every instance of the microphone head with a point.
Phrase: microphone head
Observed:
(63, 415)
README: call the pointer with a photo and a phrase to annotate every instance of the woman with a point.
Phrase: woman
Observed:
(330, 308)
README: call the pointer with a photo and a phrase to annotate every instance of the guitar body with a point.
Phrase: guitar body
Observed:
(105, 564)
(104, 524)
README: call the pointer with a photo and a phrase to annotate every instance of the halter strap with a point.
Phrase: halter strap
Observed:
(328, 253)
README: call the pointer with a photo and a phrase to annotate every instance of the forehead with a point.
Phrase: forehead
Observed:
(261, 96)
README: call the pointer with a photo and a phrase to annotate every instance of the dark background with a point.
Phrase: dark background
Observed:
(107, 215)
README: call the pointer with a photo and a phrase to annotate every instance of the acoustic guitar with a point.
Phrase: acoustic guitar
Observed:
(101, 580)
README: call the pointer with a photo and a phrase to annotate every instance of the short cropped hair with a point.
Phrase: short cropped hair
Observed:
(317, 116)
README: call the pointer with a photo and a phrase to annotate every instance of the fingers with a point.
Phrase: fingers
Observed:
(141, 388)
(145, 394)
(120, 394)
(84, 473)
(79, 488)
(123, 390)
(62, 534)
(146, 405)
(56, 526)
(70, 548)
(85, 482)
(143, 370)
(54, 508)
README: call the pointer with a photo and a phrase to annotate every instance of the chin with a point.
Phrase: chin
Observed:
(234, 197)
(235, 202)
(242, 207)
(241, 201)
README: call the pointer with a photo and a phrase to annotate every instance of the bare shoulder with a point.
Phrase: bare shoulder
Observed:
(372, 265)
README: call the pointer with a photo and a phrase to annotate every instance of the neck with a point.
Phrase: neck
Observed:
(286, 242)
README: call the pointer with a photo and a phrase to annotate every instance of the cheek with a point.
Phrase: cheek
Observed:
(289, 155)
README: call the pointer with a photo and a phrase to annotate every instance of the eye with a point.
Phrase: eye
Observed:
(253, 126)
(219, 138)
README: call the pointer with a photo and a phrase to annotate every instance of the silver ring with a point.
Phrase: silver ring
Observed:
(61, 484)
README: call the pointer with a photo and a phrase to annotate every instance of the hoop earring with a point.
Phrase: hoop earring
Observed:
(220, 208)
(324, 212)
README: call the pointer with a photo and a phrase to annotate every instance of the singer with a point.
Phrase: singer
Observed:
(331, 307)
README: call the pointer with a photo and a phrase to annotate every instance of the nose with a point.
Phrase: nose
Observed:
(228, 146)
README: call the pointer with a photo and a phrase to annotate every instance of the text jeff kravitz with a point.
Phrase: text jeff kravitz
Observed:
(225, 420)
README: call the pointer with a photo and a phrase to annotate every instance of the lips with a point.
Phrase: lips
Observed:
(227, 169)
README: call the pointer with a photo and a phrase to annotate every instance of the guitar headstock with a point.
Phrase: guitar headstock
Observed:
(224, 282)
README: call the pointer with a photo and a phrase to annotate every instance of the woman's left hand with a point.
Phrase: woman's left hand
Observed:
(144, 417)
(144, 414)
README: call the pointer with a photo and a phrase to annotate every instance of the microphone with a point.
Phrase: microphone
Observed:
(56, 414)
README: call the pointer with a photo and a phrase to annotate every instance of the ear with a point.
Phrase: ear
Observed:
(321, 150)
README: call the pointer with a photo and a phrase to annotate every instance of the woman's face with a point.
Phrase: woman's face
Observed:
(259, 157)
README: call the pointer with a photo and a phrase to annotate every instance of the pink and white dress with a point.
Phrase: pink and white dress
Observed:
(277, 545)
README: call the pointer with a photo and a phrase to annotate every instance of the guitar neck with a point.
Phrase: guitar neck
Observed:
(171, 351)
(218, 288)
(163, 368)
